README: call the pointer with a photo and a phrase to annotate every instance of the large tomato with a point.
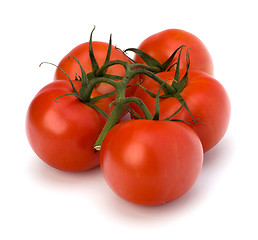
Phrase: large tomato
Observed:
(81, 52)
(206, 98)
(62, 133)
(151, 162)
(161, 45)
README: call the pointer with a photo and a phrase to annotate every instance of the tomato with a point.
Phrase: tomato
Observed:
(81, 52)
(151, 162)
(62, 133)
(161, 45)
(205, 97)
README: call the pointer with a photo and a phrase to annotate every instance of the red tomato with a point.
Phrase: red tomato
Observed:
(206, 98)
(151, 162)
(63, 133)
(161, 45)
(81, 52)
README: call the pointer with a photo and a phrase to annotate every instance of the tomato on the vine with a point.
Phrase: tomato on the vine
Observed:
(161, 46)
(151, 162)
(62, 131)
(206, 99)
(81, 52)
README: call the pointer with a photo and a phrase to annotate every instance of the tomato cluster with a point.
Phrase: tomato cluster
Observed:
(177, 111)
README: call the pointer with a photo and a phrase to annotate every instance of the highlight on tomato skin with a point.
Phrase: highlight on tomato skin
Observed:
(149, 162)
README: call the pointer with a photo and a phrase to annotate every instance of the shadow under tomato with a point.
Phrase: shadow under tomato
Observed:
(56, 179)
(134, 214)
(218, 157)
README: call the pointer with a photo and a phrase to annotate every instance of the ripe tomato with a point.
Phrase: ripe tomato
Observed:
(151, 162)
(81, 52)
(206, 98)
(161, 45)
(63, 133)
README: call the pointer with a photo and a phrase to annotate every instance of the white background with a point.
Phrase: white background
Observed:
(38, 202)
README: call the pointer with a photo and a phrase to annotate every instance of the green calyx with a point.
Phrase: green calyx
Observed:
(152, 62)
(96, 70)
(173, 90)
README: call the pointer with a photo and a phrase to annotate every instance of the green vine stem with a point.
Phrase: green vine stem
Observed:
(138, 69)
(121, 101)
(120, 106)
(98, 75)
(168, 89)
(86, 95)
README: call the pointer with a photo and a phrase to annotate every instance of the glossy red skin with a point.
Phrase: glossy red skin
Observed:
(63, 133)
(161, 45)
(81, 52)
(206, 98)
(151, 162)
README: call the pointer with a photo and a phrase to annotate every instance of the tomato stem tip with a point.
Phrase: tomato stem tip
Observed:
(97, 148)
